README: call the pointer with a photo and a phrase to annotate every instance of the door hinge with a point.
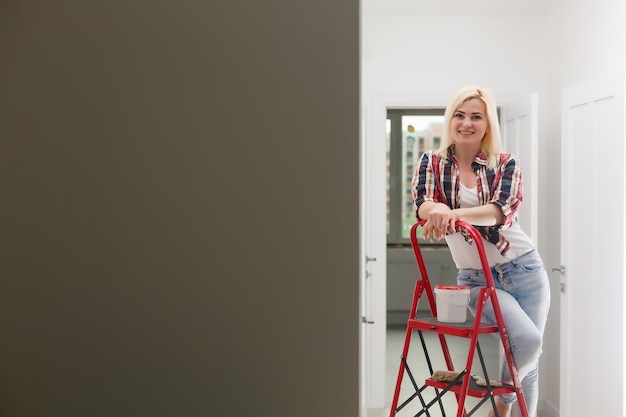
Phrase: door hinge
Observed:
(561, 270)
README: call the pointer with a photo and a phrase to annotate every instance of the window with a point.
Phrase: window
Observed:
(410, 132)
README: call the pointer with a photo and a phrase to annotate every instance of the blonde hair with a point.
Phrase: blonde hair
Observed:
(491, 144)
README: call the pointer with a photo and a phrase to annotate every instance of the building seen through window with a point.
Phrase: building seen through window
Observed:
(410, 132)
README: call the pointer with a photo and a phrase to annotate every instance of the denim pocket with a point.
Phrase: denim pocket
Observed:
(467, 277)
(531, 264)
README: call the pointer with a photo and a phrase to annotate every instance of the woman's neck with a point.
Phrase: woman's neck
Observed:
(464, 159)
(465, 155)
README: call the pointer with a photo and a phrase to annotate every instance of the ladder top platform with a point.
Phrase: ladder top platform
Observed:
(464, 329)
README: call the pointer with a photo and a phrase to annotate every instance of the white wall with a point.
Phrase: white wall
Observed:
(431, 54)
(418, 54)
(590, 40)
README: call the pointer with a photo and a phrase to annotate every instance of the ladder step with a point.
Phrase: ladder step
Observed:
(465, 329)
(474, 390)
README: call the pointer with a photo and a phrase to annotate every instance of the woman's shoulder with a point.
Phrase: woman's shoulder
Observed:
(437, 154)
(505, 158)
(507, 162)
(429, 155)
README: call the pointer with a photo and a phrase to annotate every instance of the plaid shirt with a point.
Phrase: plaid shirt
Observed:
(438, 181)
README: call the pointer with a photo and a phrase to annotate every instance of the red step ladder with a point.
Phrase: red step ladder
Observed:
(464, 384)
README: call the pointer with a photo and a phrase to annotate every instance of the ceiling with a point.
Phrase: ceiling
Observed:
(457, 7)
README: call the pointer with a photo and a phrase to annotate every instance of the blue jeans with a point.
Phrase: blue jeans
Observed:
(523, 293)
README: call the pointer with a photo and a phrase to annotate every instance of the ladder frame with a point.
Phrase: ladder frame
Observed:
(468, 329)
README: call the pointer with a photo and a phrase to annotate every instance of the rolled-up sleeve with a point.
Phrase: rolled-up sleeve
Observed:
(423, 184)
(509, 191)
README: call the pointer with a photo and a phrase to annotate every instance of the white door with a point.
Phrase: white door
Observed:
(520, 134)
(373, 262)
(592, 249)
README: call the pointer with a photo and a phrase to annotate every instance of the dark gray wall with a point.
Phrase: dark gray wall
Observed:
(179, 205)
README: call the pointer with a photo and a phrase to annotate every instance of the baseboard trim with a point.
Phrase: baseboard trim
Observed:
(548, 409)
(376, 412)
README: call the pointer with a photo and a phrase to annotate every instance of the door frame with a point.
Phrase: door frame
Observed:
(373, 276)
(373, 282)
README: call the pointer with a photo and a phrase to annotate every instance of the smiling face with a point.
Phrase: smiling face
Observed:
(469, 123)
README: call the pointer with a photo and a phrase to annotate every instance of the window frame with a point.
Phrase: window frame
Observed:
(397, 181)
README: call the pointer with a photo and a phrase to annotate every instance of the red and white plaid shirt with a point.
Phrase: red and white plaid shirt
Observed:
(437, 180)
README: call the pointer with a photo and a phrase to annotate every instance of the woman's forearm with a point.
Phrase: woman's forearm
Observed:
(486, 215)
(425, 208)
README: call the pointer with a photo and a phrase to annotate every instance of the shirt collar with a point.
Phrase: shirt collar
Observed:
(481, 158)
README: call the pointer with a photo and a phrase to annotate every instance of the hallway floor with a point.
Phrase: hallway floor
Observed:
(489, 345)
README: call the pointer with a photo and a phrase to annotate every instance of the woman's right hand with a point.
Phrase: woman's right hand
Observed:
(441, 219)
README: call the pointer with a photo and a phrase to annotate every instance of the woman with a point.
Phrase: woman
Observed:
(470, 178)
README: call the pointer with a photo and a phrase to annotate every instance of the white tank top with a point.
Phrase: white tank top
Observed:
(466, 255)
